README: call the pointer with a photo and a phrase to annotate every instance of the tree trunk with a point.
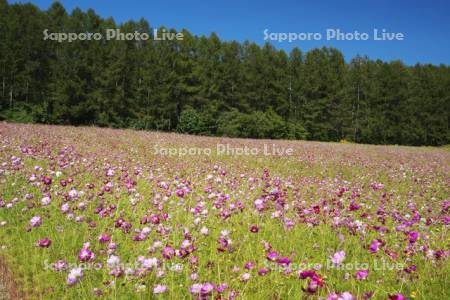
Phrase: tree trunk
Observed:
(26, 93)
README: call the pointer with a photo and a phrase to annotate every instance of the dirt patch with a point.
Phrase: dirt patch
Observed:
(8, 286)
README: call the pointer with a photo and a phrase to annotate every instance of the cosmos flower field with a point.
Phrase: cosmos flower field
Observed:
(96, 213)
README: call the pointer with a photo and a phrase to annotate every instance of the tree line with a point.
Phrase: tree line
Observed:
(202, 85)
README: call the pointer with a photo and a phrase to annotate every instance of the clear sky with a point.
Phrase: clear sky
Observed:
(425, 24)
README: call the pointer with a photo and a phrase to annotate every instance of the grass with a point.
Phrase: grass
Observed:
(415, 181)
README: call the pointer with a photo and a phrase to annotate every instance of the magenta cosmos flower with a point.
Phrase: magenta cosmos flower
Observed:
(413, 236)
(397, 297)
(46, 180)
(272, 256)
(104, 238)
(180, 193)
(86, 254)
(307, 274)
(283, 261)
(374, 246)
(361, 274)
(254, 229)
(44, 243)
(263, 271)
(315, 281)
(249, 265)
(410, 269)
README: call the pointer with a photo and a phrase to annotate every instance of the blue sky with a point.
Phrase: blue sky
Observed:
(425, 24)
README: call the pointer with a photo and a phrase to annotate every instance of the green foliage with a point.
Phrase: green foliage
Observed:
(190, 122)
(296, 131)
(18, 115)
(259, 125)
(229, 124)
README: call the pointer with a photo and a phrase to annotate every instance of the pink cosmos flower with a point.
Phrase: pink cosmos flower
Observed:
(110, 172)
(223, 244)
(112, 246)
(168, 252)
(149, 263)
(204, 230)
(186, 244)
(116, 272)
(65, 208)
(343, 296)
(154, 219)
(97, 292)
(221, 288)
(333, 296)
(80, 219)
(74, 276)
(73, 194)
(259, 204)
(32, 177)
(113, 261)
(207, 288)
(139, 237)
(81, 206)
(61, 265)
(159, 289)
(196, 288)
(35, 221)
(202, 290)
(346, 296)
(245, 277)
(46, 201)
(193, 260)
(338, 258)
